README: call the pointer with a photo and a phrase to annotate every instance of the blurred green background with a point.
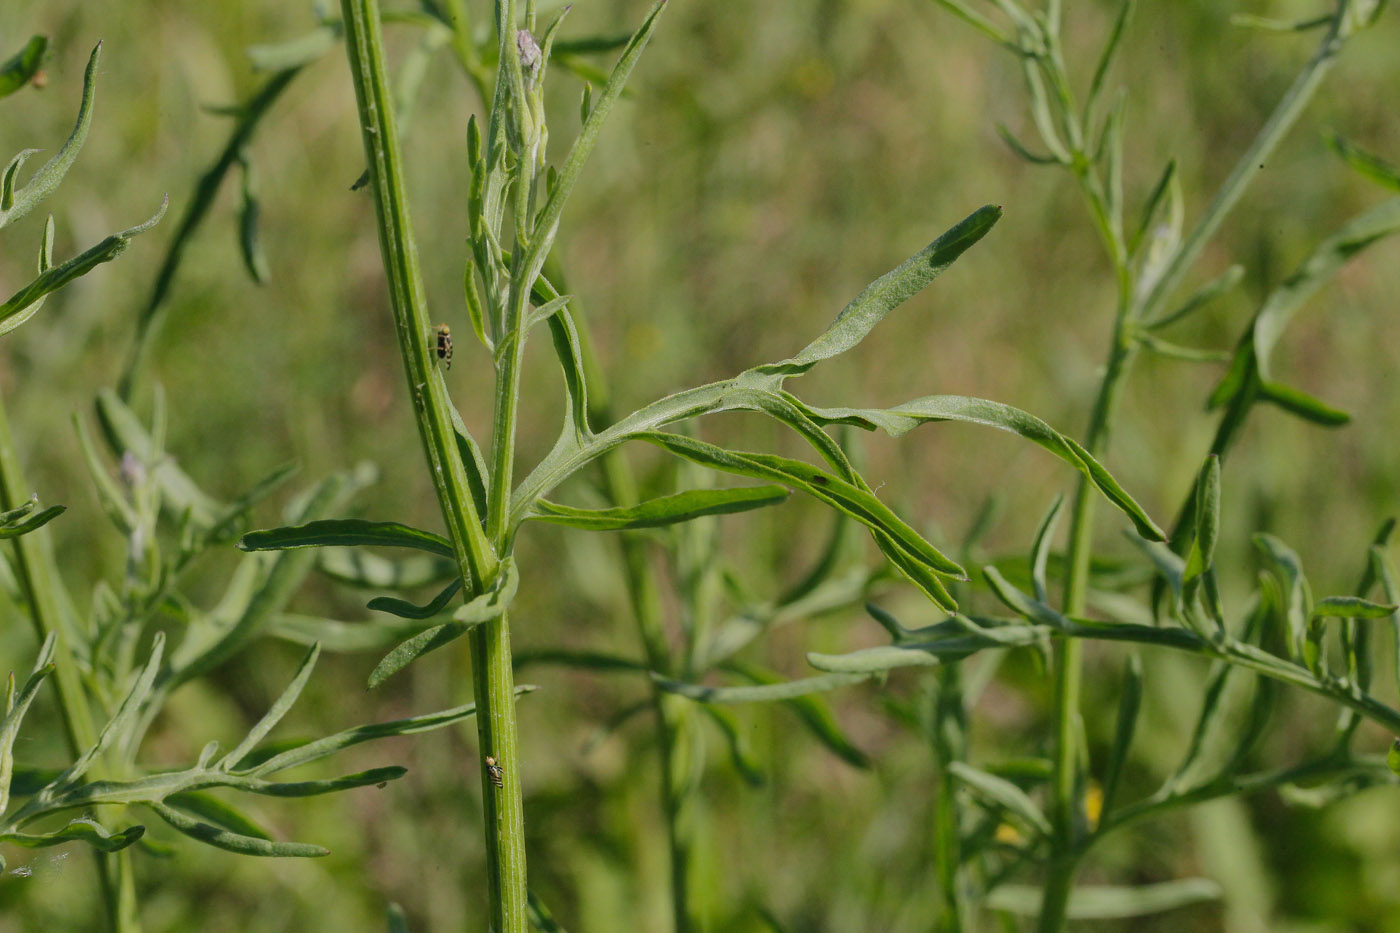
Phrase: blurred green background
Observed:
(773, 159)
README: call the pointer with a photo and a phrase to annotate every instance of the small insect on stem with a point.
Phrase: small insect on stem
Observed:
(444, 344)
(496, 772)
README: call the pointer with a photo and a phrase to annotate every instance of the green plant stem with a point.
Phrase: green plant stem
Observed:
(1068, 845)
(680, 746)
(949, 744)
(478, 564)
(1285, 114)
(38, 580)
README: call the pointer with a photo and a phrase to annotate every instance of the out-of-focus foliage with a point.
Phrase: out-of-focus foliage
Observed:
(763, 168)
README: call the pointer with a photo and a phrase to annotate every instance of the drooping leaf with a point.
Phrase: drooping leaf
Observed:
(222, 838)
(407, 610)
(1003, 793)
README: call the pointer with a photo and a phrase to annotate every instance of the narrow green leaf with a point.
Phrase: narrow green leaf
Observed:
(23, 303)
(1223, 283)
(331, 786)
(879, 298)
(547, 223)
(1109, 903)
(20, 68)
(739, 752)
(217, 811)
(275, 713)
(407, 610)
(813, 712)
(1022, 150)
(51, 173)
(324, 747)
(125, 718)
(79, 830)
(1293, 586)
(221, 838)
(855, 501)
(662, 511)
(1303, 405)
(1175, 351)
(936, 408)
(1351, 607)
(1368, 164)
(346, 532)
(1129, 705)
(1392, 757)
(870, 661)
(1003, 793)
(1202, 555)
(1151, 206)
(1040, 550)
(1110, 49)
(482, 608)
(16, 706)
(249, 234)
(34, 522)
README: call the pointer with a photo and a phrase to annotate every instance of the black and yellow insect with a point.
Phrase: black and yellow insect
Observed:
(444, 344)
(495, 771)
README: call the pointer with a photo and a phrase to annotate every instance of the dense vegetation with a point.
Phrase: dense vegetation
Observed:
(769, 720)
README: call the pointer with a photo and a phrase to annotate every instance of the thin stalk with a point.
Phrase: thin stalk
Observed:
(478, 564)
(1285, 114)
(949, 745)
(1068, 845)
(38, 580)
(680, 748)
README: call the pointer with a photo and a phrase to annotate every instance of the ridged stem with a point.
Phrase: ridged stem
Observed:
(478, 564)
